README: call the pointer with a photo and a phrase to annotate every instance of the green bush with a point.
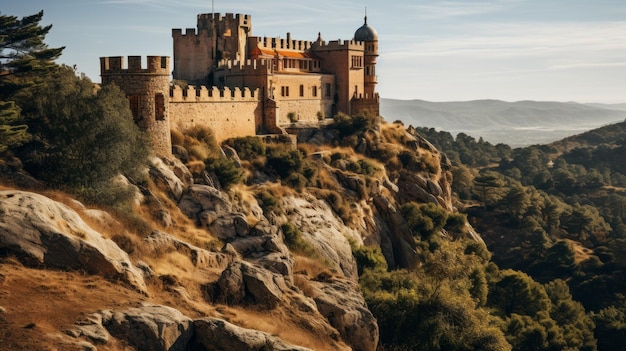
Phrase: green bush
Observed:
(248, 148)
(350, 125)
(294, 241)
(284, 162)
(267, 201)
(226, 171)
(424, 220)
(369, 257)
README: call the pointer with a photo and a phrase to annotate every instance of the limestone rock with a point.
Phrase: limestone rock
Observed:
(341, 302)
(165, 178)
(213, 334)
(243, 282)
(44, 232)
(151, 327)
(165, 243)
(199, 198)
(323, 231)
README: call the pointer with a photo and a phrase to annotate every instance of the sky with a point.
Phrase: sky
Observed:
(511, 50)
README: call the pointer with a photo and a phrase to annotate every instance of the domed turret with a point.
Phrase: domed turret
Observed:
(366, 33)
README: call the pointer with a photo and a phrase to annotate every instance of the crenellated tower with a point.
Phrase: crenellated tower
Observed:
(147, 90)
(216, 38)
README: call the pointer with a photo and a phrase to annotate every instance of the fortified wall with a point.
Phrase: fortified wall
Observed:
(228, 112)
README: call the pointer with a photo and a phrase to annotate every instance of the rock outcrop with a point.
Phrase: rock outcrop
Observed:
(214, 334)
(43, 232)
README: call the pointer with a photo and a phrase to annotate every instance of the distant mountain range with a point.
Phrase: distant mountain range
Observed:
(517, 124)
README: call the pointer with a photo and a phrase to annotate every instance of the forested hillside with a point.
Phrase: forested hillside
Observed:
(555, 212)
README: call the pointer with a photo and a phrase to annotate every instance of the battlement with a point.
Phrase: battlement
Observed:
(189, 32)
(247, 66)
(282, 43)
(159, 65)
(212, 94)
(340, 45)
(206, 20)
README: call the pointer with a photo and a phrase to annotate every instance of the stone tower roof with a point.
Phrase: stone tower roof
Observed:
(366, 33)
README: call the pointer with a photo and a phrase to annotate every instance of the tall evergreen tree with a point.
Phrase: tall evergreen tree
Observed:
(25, 60)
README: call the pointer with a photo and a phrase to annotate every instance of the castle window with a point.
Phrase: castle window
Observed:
(284, 91)
(134, 101)
(301, 90)
(159, 107)
(327, 89)
(314, 91)
(357, 61)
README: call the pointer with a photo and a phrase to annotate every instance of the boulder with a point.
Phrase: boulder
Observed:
(199, 198)
(41, 231)
(166, 179)
(341, 302)
(152, 327)
(243, 282)
(164, 243)
(213, 334)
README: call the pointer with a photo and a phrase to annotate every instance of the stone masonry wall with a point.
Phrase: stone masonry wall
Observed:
(228, 113)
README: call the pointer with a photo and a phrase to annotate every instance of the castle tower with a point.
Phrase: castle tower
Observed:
(369, 37)
(198, 51)
(147, 90)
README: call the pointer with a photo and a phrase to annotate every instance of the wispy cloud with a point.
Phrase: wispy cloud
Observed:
(450, 9)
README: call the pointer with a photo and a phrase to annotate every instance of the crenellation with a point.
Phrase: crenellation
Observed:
(115, 65)
(283, 44)
(203, 93)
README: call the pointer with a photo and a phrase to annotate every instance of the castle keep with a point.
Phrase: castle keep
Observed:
(239, 84)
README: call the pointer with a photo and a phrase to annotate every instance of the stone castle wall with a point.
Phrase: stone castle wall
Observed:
(229, 113)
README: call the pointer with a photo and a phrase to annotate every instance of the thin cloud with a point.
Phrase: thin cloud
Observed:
(451, 9)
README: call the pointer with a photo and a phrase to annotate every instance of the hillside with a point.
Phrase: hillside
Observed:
(516, 124)
(270, 260)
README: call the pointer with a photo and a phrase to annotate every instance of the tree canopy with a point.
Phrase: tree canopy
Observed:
(24, 61)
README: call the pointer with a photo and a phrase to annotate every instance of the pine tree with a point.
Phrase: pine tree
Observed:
(24, 62)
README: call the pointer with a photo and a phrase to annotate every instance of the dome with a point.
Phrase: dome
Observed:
(365, 33)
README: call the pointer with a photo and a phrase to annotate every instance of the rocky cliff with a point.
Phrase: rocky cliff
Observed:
(216, 269)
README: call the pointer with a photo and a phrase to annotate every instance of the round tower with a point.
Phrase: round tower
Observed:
(147, 90)
(369, 37)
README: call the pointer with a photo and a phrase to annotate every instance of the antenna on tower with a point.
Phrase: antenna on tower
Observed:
(212, 7)
(365, 14)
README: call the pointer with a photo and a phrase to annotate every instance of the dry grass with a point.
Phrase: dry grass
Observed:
(393, 133)
(51, 301)
(311, 267)
(293, 328)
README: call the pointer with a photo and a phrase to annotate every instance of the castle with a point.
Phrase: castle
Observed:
(239, 84)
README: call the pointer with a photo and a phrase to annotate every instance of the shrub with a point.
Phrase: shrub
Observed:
(248, 148)
(226, 171)
(294, 241)
(177, 137)
(350, 125)
(203, 134)
(424, 220)
(369, 257)
(267, 201)
(284, 162)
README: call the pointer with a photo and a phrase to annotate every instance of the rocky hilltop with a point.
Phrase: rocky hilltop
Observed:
(262, 265)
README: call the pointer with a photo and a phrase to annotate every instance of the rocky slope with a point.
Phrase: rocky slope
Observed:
(213, 270)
